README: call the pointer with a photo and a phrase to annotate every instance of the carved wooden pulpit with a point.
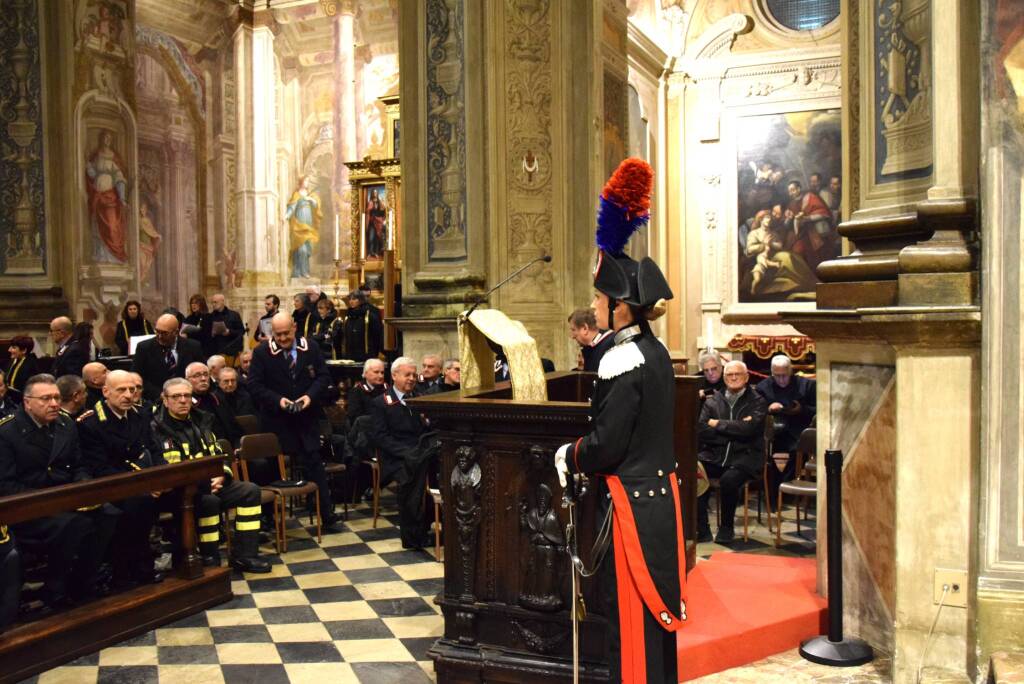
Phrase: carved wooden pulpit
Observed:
(507, 577)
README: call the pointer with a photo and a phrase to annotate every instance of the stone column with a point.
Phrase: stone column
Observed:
(259, 254)
(347, 125)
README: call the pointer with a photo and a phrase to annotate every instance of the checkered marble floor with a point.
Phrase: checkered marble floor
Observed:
(356, 608)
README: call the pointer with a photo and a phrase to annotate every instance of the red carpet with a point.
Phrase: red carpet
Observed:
(744, 607)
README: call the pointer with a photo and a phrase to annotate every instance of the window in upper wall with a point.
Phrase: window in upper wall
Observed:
(803, 15)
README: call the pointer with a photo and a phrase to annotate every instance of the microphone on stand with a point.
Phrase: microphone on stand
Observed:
(546, 258)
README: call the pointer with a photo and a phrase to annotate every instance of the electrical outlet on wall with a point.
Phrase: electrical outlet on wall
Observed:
(956, 580)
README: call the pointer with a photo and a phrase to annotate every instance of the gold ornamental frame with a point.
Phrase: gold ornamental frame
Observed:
(362, 175)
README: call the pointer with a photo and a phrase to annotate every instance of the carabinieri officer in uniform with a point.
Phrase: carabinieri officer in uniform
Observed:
(629, 450)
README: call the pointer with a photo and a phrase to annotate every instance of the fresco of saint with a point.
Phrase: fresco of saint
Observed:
(107, 188)
(303, 214)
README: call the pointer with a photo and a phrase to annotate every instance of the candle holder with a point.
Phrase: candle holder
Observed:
(337, 282)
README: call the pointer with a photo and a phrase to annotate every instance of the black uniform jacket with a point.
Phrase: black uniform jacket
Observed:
(360, 398)
(239, 402)
(593, 354)
(150, 363)
(738, 439)
(31, 459)
(799, 404)
(184, 440)
(631, 446)
(112, 445)
(224, 424)
(362, 335)
(230, 344)
(20, 370)
(69, 359)
(270, 380)
(129, 328)
(396, 427)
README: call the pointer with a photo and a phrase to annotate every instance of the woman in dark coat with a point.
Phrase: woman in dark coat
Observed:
(132, 324)
(199, 319)
(23, 365)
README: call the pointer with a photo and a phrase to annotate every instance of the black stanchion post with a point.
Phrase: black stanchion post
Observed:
(833, 649)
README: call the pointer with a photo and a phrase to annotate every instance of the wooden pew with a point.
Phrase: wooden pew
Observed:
(33, 647)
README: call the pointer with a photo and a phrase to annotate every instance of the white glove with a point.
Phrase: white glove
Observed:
(560, 467)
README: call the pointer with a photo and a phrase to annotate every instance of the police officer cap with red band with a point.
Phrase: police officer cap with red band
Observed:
(625, 208)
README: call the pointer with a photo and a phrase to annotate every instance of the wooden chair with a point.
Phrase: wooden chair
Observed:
(804, 486)
(250, 424)
(333, 469)
(263, 446)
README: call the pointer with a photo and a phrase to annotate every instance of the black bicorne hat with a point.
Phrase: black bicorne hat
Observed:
(624, 209)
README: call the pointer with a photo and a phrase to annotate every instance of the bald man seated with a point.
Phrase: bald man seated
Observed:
(165, 356)
(94, 374)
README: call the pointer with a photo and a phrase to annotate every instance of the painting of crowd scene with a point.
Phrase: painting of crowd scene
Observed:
(789, 186)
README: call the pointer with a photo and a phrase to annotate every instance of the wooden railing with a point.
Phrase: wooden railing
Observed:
(36, 646)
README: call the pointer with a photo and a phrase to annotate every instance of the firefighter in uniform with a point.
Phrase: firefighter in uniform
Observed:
(629, 450)
(39, 449)
(184, 434)
(117, 438)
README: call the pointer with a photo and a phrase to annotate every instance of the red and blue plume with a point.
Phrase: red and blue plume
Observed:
(625, 205)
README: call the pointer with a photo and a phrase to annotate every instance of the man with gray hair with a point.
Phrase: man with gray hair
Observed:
(730, 434)
(792, 404)
(362, 394)
(215, 363)
(430, 374)
(397, 431)
(72, 395)
(710, 364)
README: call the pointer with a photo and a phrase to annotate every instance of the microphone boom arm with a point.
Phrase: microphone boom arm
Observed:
(546, 258)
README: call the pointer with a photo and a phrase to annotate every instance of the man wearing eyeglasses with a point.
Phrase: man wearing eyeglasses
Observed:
(39, 449)
(165, 356)
(183, 434)
(207, 397)
(116, 438)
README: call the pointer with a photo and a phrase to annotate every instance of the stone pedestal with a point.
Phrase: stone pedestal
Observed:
(899, 392)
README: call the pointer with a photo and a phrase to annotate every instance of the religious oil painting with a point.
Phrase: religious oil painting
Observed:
(375, 221)
(789, 186)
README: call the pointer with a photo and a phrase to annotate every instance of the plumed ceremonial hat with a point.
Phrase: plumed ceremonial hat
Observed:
(625, 204)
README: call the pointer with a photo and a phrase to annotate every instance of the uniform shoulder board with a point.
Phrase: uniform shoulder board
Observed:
(6, 419)
(619, 360)
(389, 400)
(85, 414)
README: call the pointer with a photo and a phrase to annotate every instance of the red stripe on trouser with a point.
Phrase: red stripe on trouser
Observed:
(680, 541)
(633, 656)
(634, 554)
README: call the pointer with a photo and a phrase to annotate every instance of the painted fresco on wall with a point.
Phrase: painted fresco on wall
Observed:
(101, 27)
(789, 183)
(107, 187)
(304, 214)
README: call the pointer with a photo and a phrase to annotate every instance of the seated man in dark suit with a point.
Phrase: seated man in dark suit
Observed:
(207, 397)
(94, 374)
(237, 398)
(165, 356)
(730, 432)
(430, 374)
(39, 449)
(73, 395)
(451, 377)
(362, 394)
(116, 438)
(792, 405)
(397, 431)
(710, 365)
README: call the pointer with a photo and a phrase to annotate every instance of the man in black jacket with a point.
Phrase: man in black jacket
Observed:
(183, 434)
(39, 449)
(235, 396)
(272, 303)
(94, 374)
(362, 336)
(288, 379)
(362, 394)
(593, 341)
(165, 356)
(430, 375)
(116, 438)
(68, 358)
(730, 432)
(397, 431)
(226, 330)
(207, 397)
